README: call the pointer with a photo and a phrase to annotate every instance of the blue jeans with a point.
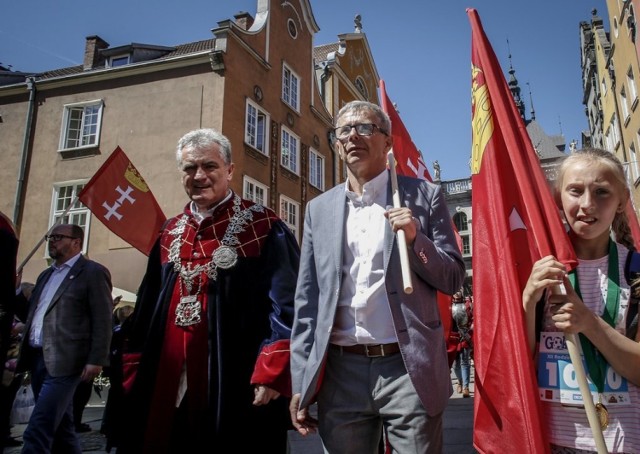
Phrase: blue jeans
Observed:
(51, 427)
(462, 367)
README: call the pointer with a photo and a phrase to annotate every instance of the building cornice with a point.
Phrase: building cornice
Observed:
(105, 74)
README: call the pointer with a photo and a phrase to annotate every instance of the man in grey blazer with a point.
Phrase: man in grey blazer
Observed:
(66, 340)
(372, 356)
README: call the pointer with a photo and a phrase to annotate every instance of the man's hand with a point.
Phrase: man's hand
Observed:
(90, 372)
(263, 395)
(300, 418)
(402, 219)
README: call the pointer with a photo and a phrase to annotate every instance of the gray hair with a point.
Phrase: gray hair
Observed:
(356, 107)
(204, 138)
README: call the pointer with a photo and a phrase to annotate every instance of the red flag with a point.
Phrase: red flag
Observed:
(515, 222)
(118, 195)
(409, 162)
(633, 224)
(408, 158)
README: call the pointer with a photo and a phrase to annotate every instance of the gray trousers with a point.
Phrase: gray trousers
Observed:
(362, 398)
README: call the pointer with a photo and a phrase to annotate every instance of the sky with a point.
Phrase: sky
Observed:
(421, 48)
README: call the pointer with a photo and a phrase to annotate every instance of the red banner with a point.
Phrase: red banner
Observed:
(633, 224)
(515, 223)
(118, 195)
(409, 162)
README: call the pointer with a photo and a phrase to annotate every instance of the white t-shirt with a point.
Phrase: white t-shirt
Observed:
(568, 425)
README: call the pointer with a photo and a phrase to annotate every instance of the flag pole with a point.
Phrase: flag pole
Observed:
(576, 359)
(402, 241)
(44, 237)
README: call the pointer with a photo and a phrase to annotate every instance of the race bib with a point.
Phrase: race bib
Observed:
(557, 380)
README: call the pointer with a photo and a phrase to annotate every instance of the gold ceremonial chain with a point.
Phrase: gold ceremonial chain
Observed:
(225, 257)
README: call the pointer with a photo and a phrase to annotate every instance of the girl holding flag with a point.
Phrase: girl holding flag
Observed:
(592, 193)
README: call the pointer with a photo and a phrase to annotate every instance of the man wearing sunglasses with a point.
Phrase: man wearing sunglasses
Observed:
(66, 341)
(373, 357)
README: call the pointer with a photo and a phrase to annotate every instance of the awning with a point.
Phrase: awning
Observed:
(126, 296)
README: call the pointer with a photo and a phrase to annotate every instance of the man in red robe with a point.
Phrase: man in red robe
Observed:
(213, 319)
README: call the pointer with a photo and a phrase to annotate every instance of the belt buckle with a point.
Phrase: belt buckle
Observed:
(366, 351)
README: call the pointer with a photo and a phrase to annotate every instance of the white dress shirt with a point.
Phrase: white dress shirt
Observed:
(363, 315)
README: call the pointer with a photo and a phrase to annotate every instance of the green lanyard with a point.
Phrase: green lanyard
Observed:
(596, 364)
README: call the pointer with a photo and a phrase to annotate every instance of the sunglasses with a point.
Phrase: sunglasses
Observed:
(56, 238)
(363, 129)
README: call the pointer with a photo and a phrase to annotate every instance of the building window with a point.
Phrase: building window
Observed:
(290, 88)
(81, 125)
(289, 214)
(466, 245)
(631, 23)
(362, 87)
(615, 131)
(119, 60)
(256, 130)
(631, 169)
(64, 195)
(608, 141)
(293, 30)
(316, 169)
(635, 165)
(290, 151)
(254, 191)
(633, 91)
(624, 104)
(460, 221)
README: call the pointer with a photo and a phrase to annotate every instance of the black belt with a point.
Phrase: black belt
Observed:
(371, 351)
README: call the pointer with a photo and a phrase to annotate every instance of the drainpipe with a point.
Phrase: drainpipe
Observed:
(26, 145)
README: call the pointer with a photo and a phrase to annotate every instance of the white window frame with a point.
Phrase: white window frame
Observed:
(81, 123)
(624, 103)
(289, 213)
(615, 131)
(290, 150)
(633, 90)
(631, 168)
(119, 60)
(466, 245)
(255, 191)
(256, 127)
(462, 219)
(290, 87)
(63, 194)
(316, 169)
(634, 159)
(362, 86)
(608, 140)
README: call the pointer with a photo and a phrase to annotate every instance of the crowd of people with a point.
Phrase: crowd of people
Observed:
(235, 323)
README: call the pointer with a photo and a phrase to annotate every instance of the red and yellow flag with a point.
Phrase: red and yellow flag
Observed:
(515, 223)
(118, 195)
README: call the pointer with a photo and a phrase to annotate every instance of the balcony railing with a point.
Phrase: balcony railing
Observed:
(457, 186)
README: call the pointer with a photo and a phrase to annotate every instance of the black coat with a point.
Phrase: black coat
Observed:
(249, 307)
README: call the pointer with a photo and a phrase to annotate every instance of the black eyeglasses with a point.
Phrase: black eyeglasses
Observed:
(59, 237)
(363, 129)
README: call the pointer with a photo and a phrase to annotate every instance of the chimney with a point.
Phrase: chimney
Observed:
(244, 20)
(92, 48)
